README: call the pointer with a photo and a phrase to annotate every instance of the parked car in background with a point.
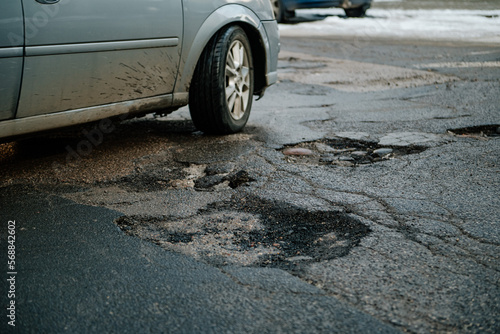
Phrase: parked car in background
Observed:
(65, 62)
(285, 9)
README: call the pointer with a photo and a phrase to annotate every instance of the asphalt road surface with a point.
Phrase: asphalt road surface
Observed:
(362, 197)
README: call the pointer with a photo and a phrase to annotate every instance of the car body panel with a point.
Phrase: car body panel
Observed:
(11, 56)
(63, 82)
(87, 53)
(89, 60)
(72, 21)
(273, 36)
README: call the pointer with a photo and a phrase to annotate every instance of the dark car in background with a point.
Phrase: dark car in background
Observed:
(285, 9)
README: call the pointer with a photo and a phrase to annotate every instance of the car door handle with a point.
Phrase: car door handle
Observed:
(47, 2)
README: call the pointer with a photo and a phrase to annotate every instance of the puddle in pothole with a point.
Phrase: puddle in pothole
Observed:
(480, 131)
(345, 152)
(251, 231)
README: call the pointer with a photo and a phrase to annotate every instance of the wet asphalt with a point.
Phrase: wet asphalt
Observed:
(77, 273)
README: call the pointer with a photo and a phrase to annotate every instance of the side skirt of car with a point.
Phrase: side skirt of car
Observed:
(122, 110)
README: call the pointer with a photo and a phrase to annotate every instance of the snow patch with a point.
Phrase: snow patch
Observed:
(446, 25)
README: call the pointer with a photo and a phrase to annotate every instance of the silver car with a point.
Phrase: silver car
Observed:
(65, 62)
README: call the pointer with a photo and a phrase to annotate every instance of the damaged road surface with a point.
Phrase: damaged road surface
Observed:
(252, 232)
(359, 203)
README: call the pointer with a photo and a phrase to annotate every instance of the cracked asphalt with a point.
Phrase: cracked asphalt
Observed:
(363, 196)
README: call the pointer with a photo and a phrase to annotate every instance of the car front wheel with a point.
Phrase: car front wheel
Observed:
(221, 93)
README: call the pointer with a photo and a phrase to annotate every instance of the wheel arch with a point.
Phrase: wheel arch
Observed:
(224, 16)
(258, 56)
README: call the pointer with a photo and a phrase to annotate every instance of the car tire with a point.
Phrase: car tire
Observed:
(356, 12)
(221, 92)
(278, 10)
(280, 13)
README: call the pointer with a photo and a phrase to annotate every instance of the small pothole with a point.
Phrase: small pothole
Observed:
(480, 131)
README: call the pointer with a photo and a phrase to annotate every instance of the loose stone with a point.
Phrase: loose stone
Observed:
(323, 148)
(239, 178)
(343, 150)
(222, 168)
(297, 151)
(343, 163)
(346, 158)
(383, 151)
(208, 181)
(359, 153)
(327, 158)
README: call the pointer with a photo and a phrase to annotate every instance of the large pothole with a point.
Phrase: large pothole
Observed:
(346, 152)
(253, 232)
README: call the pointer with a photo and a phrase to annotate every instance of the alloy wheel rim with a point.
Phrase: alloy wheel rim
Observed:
(237, 80)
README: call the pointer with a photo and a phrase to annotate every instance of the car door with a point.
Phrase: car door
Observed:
(11, 55)
(82, 53)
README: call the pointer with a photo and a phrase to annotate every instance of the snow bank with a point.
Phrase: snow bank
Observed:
(449, 25)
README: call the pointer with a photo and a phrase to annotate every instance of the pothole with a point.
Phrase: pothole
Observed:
(160, 177)
(156, 177)
(252, 231)
(216, 181)
(345, 152)
(481, 131)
